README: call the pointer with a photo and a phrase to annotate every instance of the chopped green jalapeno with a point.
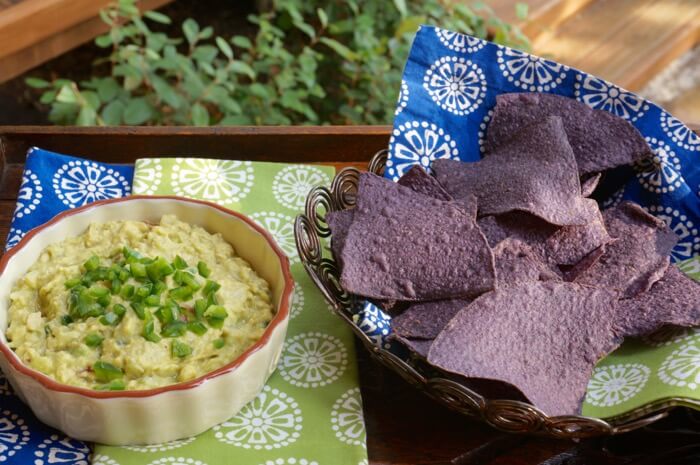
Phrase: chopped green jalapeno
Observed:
(210, 287)
(179, 263)
(197, 327)
(139, 309)
(215, 315)
(94, 340)
(98, 291)
(119, 309)
(203, 269)
(106, 372)
(180, 349)
(152, 301)
(116, 286)
(158, 269)
(104, 301)
(71, 283)
(181, 293)
(110, 319)
(138, 270)
(144, 290)
(127, 291)
(158, 288)
(174, 329)
(200, 305)
(219, 343)
(92, 263)
(149, 330)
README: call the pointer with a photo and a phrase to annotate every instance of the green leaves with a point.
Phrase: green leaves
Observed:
(305, 62)
(137, 111)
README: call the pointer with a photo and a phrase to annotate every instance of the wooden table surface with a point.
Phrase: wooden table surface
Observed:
(403, 425)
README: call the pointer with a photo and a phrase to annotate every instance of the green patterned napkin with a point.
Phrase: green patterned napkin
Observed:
(653, 368)
(310, 411)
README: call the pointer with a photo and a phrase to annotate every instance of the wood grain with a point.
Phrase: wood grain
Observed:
(39, 48)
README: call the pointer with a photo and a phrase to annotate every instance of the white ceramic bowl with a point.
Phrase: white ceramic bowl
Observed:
(170, 412)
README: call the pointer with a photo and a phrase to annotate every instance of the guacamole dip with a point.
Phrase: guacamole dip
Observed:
(130, 305)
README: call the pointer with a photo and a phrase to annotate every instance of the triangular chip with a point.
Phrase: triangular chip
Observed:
(534, 172)
(639, 256)
(672, 300)
(542, 337)
(600, 140)
(570, 244)
(405, 246)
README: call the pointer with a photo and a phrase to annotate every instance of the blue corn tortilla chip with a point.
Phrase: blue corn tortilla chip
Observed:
(638, 257)
(535, 172)
(600, 140)
(419, 346)
(339, 222)
(570, 244)
(425, 320)
(672, 300)
(418, 180)
(589, 185)
(537, 336)
(404, 246)
(517, 262)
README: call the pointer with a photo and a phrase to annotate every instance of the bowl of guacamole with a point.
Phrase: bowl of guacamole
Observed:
(162, 308)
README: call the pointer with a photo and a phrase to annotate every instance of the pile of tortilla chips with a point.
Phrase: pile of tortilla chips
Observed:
(504, 269)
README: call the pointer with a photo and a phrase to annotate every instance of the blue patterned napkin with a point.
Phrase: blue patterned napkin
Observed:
(51, 183)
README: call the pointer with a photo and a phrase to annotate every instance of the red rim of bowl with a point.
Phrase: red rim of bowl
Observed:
(54, 385)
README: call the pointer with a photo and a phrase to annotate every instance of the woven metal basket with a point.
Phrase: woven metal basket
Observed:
(457, 394)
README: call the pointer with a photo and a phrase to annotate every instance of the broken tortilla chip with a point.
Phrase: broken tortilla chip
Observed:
(600, 140)
(640, 255)
(534, 172)
(672, 300)
(425, 320)
(543, 337)
(404, 246)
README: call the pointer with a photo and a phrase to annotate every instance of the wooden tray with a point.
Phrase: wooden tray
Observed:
(403, 425)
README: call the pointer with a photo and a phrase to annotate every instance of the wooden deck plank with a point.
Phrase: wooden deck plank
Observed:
(543, 15)
(8, 3)
(35, 31)
(625, 41)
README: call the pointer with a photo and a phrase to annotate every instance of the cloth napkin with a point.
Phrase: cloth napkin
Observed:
(310, 411)
(51, 183)
(449, 88)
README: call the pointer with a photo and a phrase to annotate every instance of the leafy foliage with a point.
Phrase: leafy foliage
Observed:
(310, 62)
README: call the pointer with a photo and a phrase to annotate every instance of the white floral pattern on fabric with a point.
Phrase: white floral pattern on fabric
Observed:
(57, 450)
(177, 461)
(313, 359)
(459, 42)
(347, 420)
(679, 133)
(29, 195)
(455, 84)
(270, 421)
(81, 181)
(281, 227)
(14, 435)
(402, 99)
(529, 72)
(221, 181)
(15, 235)
(290, 461)
(297, 302)
(602, 95)
(373, 322)
(101, 459)
(682, 367)
(483, 126)
(660, 173)
(691, 267)
(161, 447)
(615, 384)
(688, 239)
(293, 183)
(615, 199)
(148, 175)
(418, 143)
(669, 335)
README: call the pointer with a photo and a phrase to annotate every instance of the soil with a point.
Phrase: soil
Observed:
(19, 104)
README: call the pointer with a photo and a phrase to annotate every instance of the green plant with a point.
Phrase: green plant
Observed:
(310, 62)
